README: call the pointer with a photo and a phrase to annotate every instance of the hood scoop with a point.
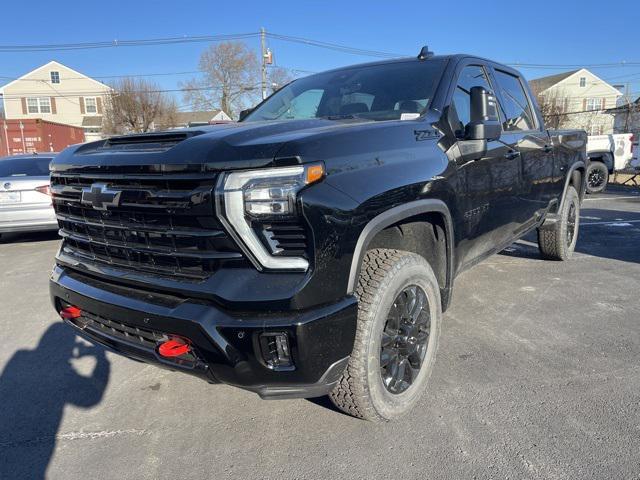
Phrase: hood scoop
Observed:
(146, 142)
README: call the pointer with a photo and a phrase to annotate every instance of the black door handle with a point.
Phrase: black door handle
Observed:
(512, 154)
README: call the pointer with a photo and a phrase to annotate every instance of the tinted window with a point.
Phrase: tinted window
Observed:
(514, 105)
(471, 76)
(25, 167)
(376, 92)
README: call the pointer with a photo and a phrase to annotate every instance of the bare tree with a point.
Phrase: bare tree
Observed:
(136, 106)
(552, 107)
(278, 77)
(229, 79)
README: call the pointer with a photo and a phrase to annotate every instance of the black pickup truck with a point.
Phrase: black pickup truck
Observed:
(311, 248)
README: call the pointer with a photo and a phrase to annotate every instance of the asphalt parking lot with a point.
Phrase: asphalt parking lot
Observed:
(538, 376)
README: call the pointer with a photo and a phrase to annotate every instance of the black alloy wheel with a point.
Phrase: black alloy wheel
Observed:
(404, 339)
(571, 223)
(596, 179)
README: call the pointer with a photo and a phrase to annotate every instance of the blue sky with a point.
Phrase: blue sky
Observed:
(551, 32)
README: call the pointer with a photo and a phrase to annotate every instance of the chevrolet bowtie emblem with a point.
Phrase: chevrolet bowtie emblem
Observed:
(99, 196)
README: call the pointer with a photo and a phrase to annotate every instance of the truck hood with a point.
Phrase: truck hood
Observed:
(218, 147)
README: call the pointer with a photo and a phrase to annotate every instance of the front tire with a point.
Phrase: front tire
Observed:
(399, 317)
(597, 177)
(558, 241)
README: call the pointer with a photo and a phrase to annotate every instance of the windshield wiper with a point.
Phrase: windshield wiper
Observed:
(340, 117)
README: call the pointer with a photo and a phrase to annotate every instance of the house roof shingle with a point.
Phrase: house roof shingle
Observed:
(540, 84)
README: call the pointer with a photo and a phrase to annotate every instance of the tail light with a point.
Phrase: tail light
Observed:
(46, 189)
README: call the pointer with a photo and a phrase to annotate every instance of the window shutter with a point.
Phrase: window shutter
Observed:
(53, 105)
(584, 104)
(24, 105)
(603, 102)
(99, 105)
(82, 110)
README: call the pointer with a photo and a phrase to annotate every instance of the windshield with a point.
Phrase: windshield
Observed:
(376, 92)
(25, 167)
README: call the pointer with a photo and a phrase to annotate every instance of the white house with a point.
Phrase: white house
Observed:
(580, 99)
(59, 94)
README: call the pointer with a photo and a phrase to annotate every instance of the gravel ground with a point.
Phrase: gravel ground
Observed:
(538, 376)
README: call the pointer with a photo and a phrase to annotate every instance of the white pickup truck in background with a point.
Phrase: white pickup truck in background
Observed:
(608, 154)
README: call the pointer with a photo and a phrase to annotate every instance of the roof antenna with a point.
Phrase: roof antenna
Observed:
(425, 53)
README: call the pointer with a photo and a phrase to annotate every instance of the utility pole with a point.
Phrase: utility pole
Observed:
(263, 55)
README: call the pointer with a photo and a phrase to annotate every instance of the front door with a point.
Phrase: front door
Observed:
(490, 184)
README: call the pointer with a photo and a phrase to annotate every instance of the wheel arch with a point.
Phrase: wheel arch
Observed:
(604, 156)
(412, 212)
(571, 178)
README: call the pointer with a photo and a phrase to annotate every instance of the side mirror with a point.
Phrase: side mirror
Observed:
(244, 113)
(485, 123)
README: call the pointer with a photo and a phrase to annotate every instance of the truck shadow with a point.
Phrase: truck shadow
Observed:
(611, 234)
(35, 387)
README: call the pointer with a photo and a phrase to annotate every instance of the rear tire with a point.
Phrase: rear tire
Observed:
(399, 317)
(558, 240)
(597, 177)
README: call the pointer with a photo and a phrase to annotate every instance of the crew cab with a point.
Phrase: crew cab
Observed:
(311, 248)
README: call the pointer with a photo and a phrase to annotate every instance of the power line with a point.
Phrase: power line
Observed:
(157, 74)
(559, 66)
(103, 92)
(333, 46)
(124, 43)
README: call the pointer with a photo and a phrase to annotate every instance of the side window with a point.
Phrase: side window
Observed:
(471, 76)
(515, 105)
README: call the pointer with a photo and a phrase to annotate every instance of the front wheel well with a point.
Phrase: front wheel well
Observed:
(425, 235)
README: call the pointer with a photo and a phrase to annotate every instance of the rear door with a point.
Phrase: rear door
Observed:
(523, 132)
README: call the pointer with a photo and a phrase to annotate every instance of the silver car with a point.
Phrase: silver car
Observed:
(25, 198)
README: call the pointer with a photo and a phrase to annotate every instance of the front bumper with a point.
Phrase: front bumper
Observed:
(225, 344)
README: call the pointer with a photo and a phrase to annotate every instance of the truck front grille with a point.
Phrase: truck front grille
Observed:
(160, 224)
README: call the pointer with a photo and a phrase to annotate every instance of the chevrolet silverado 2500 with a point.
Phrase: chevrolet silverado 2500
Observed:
(311, 248)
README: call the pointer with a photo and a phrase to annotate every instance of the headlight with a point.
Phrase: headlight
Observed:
(268, 195)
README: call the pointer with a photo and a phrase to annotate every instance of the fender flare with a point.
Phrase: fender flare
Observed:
(394, 215)
(567, 180)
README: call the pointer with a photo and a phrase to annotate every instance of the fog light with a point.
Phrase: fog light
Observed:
(276, 351)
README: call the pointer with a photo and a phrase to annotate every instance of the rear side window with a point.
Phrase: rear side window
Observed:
(24, 167)
(470, 76)
(514, 105)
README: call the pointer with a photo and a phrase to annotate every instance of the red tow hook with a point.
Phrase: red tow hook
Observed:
(174, 348)
(70, 313)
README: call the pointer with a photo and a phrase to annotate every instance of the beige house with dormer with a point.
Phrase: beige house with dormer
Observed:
(580, 100)
(57, 93)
